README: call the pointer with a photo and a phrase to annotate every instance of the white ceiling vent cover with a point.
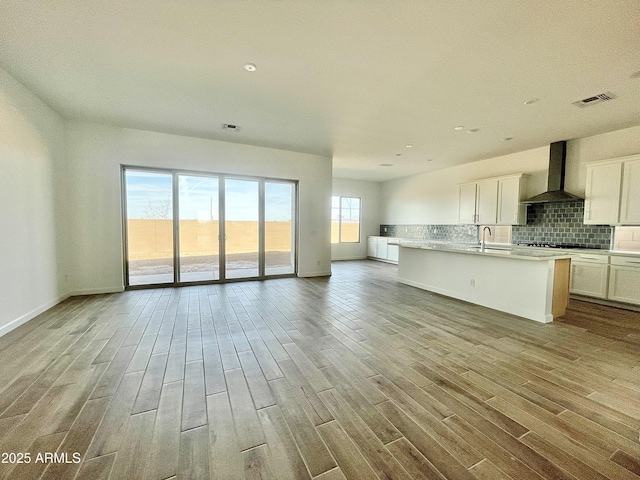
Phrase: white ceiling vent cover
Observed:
(587, 102)
(231, 127)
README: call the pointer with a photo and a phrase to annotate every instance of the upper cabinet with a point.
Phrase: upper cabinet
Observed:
(511, 192)
(492, 201)
(612, 195)
(487, 202)
(467, 203)
(602, 195)
(630, 201)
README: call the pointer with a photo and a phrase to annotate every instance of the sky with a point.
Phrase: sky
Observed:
(149, 196)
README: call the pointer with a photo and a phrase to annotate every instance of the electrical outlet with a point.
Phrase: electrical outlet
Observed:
(473, 282)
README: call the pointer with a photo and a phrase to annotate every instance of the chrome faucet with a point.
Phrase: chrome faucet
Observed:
(483, 242)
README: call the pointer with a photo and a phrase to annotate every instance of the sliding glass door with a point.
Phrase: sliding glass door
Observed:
(149, 226)
(241, 228)
(198, 228)
(186, 227)
(279, 234)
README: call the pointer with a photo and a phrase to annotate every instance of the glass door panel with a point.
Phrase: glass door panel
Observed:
(198, 228)
(279, 230)
(241, 222)
(149, 227)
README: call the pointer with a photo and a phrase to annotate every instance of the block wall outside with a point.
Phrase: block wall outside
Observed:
(154, 239)
(350, 232)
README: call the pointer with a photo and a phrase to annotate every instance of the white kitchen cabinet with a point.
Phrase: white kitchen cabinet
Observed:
(379, 248)
(372, 243)
(510, 193)
(393, 252)
(492, 201)
(467, 203)
(602, 194)
(612, 194)
(487, 202)
(630, 198)
(624, 279)
(589, 275)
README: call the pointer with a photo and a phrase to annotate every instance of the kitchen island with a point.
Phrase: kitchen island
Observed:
(528, 283)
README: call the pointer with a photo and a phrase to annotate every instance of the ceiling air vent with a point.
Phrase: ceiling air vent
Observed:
(587, 102)
(230, 126)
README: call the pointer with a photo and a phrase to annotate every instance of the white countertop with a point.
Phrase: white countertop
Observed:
(520, 253)
(522, 250)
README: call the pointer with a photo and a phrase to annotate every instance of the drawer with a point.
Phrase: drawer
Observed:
(591, 258)
(625, 261)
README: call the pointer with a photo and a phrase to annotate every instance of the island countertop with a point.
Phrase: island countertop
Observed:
(509, 252)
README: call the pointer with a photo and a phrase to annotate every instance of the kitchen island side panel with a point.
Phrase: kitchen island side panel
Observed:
(512, 285)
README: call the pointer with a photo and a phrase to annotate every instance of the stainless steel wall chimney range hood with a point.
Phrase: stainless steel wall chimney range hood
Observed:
(555, 180)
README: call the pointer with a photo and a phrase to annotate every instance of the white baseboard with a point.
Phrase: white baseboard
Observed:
(43, 308)
(95, 291)
(31, 315)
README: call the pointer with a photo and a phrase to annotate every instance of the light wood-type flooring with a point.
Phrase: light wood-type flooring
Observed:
(353, 376)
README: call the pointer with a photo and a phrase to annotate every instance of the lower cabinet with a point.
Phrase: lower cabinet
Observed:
(379, 248)
(589, 275)
(372, 244)
(611, 277)
(624, 279)
(393, 252)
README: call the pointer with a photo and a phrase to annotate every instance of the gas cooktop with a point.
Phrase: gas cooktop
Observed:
(552, 245)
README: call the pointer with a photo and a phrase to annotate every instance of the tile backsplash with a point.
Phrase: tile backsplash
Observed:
(443, 233)
(560, 223)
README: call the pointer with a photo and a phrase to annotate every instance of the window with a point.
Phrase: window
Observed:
(626, 239)
(499, 233)
(345, 219)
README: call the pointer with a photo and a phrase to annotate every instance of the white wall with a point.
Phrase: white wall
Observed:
(369, 193)
(619, 143)
(95, 153)
(32, 274)
(431, 198)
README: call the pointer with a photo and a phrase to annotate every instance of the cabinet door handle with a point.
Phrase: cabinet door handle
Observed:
(631, 261)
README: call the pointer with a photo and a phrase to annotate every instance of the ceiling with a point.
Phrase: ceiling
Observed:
(357, 80)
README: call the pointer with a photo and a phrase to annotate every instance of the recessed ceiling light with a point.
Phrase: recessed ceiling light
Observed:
(473, 130)
(460, 127)
(532, 101)
(386, 165)
(250, 67)
(408, 145)
(506, 139)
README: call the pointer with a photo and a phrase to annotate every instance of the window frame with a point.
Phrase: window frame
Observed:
(340, 217)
